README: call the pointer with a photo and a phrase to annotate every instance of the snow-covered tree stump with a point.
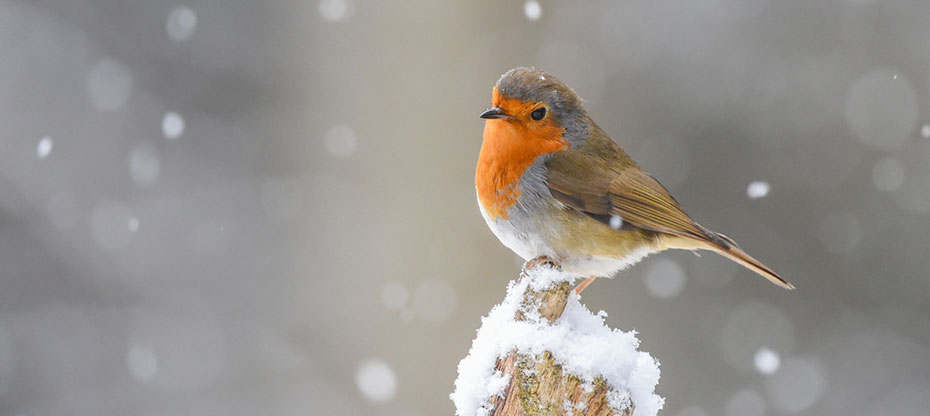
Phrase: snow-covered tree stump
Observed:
(541, 352)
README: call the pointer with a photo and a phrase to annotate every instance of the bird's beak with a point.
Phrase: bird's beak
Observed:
(494, 113)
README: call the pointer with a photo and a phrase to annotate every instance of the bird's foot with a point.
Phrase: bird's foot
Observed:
(581, 286)
(538, 261)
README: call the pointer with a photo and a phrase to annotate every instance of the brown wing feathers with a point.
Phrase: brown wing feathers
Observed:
(583, 181)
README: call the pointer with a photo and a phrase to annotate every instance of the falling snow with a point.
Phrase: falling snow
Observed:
(616, 221)
(532, 10)
(757, 189)
(172, 126)
(44, 148)
(766, 361)
(376, 380)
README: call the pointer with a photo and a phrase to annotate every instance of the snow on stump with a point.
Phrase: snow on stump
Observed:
(541, 352)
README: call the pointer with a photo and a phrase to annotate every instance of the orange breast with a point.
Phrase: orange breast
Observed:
(509, 147)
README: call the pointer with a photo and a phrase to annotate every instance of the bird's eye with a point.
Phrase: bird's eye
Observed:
(538, 113)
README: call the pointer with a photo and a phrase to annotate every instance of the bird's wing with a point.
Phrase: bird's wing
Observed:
(601, 181)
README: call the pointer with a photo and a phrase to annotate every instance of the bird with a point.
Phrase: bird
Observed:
(553, 186)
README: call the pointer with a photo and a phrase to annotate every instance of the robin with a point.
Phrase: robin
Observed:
(552, 184)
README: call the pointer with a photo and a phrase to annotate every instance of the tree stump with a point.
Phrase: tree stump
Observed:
(541, 352)
(538, 385)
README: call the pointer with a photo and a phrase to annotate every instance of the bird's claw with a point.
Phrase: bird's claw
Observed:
(538, 261)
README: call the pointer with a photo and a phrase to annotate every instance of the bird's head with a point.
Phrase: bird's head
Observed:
(538, 104)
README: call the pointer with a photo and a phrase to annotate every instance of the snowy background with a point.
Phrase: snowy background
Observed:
(246, 207)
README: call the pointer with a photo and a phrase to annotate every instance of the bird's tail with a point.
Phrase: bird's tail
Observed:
(733, 252)
(728, 248)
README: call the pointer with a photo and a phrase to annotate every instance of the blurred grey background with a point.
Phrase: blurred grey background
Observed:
(244, 207)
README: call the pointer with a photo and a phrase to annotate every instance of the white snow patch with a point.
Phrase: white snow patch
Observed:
(579, 341)
(497, 384)
(544, 277)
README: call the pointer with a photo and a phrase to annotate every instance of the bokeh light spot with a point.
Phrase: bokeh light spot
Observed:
(340, 141)
(881, 109)
(434, 300)
(746, 402)
(394, 295)
(109, 84)
(144, 165)
(335, 10)
(888, 174)
(664, 278)
(798, 384)
(142, 362)
(181, 23)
